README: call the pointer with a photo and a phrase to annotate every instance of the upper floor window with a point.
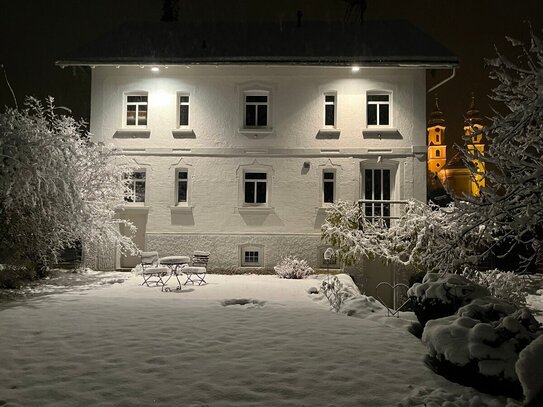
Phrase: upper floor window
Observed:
(255, 188)
(328, 187)
(136, 187)
(378, 109)
(256, 109)
(182, 186)
(330, 110)
(136, 109)
(184, 107)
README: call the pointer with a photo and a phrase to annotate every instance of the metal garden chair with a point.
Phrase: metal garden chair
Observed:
(196, 272)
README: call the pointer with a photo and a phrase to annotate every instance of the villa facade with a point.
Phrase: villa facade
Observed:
(240, 153)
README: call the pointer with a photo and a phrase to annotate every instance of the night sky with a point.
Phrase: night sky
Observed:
(35, 33)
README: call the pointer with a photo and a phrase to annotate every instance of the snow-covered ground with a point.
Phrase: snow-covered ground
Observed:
(237, 341)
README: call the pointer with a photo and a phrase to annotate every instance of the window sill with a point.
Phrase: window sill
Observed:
(256, 132)
(381, 133)
(254, 209)
(183, 133)
(324, 207)
(328, 133)
(134, 208)
(181, 209)
(132, 133)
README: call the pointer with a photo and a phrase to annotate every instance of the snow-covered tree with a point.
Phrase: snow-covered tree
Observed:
(57, 187)
(424, 237)
(509, 209)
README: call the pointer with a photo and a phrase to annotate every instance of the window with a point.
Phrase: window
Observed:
(328, 186)
(378, 109)
(136, 187)
(438, 153)
(184, 107)
(136, 110)
(182, 186)
(255, 189)
(377, 188)
(256, 105)
(329, 110)
(252, 256)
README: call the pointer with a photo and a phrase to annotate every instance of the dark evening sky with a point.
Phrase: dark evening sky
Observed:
(37, 32)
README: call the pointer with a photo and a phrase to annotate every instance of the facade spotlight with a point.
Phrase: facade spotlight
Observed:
(155, 69)
(355, 69)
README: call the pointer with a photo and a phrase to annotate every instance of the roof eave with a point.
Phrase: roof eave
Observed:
(287, 61)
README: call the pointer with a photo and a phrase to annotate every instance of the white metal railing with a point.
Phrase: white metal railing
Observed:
(384, 211)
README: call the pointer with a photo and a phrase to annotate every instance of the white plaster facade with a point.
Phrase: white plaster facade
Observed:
(215, 150)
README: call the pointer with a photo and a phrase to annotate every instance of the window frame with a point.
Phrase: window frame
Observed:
(131, 186)
(188, 189)
(248, 248)
(334, 104)
(388, 103)
(126, 95)
(189, 110)
(256, 92)
(333, 181)
(256, 181)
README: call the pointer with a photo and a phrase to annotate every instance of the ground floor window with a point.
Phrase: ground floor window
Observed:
(182, 186)
(256, 187)
(377, 187)
(136, 187)
(252, 256)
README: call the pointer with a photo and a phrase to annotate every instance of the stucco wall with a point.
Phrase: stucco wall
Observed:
(216, 153)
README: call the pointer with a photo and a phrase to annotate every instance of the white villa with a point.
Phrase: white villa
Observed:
(244, 134)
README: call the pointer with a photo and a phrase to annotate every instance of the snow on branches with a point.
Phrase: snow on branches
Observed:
(423, 237)
(56, 186)
(510, 207)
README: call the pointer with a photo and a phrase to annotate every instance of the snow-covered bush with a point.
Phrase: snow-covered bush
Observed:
(333, 290)
(423, 238)
(292, 267)
(480, 345)
(505, 285)
(440, 295)
(56, 187)
(529, 370)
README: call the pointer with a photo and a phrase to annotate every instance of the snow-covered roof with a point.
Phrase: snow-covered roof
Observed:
(391, 43)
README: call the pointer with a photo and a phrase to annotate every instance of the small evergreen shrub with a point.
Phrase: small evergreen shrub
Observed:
(292, 267)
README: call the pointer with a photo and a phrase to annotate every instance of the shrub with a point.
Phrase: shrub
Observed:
(506, 285)
(13, 277)
(480, 345)
(292, 267)
(334, 292)
(441, 295)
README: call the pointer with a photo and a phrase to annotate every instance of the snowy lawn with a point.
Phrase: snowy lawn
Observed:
(119, 343)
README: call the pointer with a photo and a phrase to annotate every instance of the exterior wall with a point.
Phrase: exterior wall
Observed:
(216, 152)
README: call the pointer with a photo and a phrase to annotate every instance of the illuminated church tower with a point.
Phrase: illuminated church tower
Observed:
(474, 142)
(437, 150)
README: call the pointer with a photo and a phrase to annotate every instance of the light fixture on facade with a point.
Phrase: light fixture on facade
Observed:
(155, 69)
(355, 69)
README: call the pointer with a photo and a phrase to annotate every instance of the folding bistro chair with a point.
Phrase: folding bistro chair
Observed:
(153, 273)
(196, 272)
